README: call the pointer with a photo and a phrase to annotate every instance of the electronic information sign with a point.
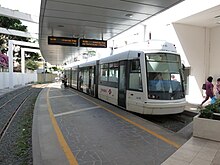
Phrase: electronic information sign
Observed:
(93, 43)
(64, 41)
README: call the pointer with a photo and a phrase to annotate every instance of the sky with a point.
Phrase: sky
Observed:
(27, 6)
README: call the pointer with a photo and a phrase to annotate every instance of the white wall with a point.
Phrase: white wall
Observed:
(18, 79)
(4, 80)
(215, 52)
(193, 41)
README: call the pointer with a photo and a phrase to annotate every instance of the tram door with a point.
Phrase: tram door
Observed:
(91, 81)
(122, 84)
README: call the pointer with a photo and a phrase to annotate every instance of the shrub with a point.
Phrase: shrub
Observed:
(207, 111)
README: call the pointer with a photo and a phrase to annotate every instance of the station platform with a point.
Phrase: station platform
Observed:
(70, 127)
(57, 142)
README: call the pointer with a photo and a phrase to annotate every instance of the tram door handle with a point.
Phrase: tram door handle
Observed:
(131, 94)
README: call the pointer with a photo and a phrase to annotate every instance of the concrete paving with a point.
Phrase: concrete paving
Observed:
(95, 132)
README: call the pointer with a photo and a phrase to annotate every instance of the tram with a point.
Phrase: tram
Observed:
(145, 79)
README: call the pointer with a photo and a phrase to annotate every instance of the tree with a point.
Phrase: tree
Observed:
(32, 60)
(54, 68)
(15, 24)
(11, 23)
(33, 56)
(31, 65)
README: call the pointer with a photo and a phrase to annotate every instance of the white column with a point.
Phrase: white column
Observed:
(10, 56)
(23, 67)
(22, 61)
(207, 53)
(145, 31)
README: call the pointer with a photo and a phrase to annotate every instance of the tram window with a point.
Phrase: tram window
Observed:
(113, 72)
(135, 66)
(135, 80)
(74, 77)
(104, 72)
(173, 58)
(162, 57)
(86, 77)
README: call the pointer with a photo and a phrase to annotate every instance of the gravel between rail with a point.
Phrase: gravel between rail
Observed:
(16, 145)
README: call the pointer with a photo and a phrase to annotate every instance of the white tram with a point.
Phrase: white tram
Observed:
(146, 79)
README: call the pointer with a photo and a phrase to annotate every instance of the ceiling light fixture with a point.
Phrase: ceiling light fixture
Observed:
(129, 15)
(218, 16)
(60, 26)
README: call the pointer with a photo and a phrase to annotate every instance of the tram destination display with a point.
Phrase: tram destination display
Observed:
(64, 41)
(93, 43)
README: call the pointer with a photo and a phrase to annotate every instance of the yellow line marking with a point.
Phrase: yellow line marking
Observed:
(137, 125)
(63, 143)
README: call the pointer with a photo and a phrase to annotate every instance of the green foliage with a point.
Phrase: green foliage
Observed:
(31, 65)
(33, 56)
(11, 23)
(216, 106)
(91, 53)
(23, 147)
(207, 111)
(55, 68)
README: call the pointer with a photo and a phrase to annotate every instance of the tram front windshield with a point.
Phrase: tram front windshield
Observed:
(164, 77)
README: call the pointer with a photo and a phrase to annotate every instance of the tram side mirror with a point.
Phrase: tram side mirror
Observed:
(183, 67)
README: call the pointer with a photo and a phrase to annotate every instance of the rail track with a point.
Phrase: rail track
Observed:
(174, 122)
(16, 113)
(10, 104)
(7, 121)
(12, 95)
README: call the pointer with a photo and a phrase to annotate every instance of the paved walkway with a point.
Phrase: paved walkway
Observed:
(196, 151)
(90, 132)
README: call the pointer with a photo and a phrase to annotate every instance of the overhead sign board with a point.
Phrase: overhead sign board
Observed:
(93, 43)
(64, 41)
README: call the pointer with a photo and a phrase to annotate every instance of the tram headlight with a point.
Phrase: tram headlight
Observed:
(150, 96)
(153, 97)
